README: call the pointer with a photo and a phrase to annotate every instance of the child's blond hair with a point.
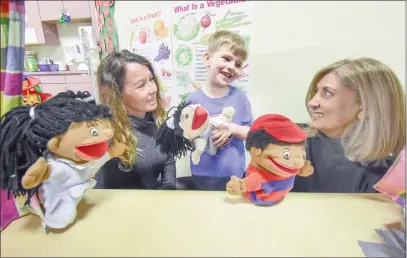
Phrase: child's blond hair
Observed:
(233, 40)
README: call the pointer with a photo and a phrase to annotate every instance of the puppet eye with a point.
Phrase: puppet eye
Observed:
(94, 131)
(186, 116)
(287, 155)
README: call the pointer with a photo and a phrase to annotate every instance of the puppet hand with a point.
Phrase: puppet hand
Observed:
(196, 157)
(117, 149)
(228, 112)
(235, 186)
(307, 169)
(36, 174)
(221, 134)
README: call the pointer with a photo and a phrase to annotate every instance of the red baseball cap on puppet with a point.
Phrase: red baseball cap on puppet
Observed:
(279, 127)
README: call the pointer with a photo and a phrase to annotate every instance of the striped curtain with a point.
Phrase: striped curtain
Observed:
(12, 68)
(12, 53)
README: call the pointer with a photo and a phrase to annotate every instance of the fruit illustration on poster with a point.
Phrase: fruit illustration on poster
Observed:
(142, 37)
(160, 29)
(163, 52)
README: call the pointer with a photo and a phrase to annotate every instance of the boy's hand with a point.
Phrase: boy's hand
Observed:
(221, 134)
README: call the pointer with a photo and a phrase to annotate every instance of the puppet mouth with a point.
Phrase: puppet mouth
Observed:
(92, 151)
(200, 117)
(283, 168)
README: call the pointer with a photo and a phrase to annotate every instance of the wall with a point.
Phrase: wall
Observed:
(292, 40)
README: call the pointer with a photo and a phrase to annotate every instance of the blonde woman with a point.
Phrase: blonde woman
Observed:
(128, 84)
(357, 109)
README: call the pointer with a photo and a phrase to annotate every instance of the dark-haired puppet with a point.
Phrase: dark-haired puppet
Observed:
(52, 151)
(277, 150)
(191, 125)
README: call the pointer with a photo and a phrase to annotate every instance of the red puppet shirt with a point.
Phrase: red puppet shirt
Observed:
(266, 188)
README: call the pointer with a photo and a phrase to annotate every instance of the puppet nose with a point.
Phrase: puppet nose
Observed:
(200, 117)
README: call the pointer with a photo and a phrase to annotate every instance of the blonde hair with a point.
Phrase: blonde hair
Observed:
(111, 77)
(382, 131)
(233, 40)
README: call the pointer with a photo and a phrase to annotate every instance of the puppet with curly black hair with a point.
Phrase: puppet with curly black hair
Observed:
(190, 125)
(53, 150)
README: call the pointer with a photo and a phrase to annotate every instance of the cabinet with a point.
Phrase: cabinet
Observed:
(57, 83)
(78, 9)
(36, 31)
(51, 10)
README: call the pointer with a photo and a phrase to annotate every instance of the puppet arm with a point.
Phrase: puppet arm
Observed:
(200, 145)
(227, 115)
(307, 169)
(37, 173)
(42, 171)
(248, 184)
(116, 149)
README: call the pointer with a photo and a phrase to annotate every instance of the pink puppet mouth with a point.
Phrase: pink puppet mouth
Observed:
(284, 168)
(92, 151)
(200, 117)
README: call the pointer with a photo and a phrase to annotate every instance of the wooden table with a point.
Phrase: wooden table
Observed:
(193, 223)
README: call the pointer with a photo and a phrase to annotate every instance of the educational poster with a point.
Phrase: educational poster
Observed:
(105, 11)
(151, 37)
(193, 23)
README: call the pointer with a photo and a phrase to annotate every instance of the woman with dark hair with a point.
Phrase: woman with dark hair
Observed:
(129, 86)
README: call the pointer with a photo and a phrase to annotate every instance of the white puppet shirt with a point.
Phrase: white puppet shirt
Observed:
(67, 184)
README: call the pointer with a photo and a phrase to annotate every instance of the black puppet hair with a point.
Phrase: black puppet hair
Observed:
(171, 141)
(24, 136)
(260, 139)
(79, 95)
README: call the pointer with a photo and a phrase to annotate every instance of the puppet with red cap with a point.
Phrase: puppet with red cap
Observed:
(277, 150)
(190, 125)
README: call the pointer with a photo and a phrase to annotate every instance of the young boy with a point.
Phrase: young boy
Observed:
(224, 59)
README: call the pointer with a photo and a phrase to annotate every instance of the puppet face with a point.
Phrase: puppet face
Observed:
(83, 141)
(194, 121)
(282, 160)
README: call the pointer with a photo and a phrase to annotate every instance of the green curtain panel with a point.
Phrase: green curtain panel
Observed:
(107, 27)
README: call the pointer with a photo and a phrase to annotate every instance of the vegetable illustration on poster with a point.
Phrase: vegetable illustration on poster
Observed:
(193, 23)
(150, 37)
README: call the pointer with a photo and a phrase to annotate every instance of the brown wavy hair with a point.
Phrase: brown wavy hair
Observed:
(111, 76)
